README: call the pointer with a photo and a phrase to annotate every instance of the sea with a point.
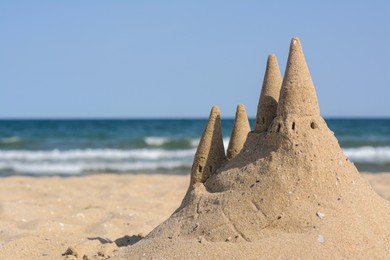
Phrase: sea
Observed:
(79, 147)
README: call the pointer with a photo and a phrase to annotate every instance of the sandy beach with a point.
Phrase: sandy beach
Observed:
(198, 130)
(95, 215)
(41, 217)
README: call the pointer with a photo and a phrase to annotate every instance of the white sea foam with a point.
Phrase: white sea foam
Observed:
(10, 140)
(156, 141)
(98, 154)
(93, 160)
(368, 154)
(226, 142)
(80, 167)
(115, 160)
(195, 142)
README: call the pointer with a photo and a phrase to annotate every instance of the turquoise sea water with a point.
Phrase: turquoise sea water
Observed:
(73, 147)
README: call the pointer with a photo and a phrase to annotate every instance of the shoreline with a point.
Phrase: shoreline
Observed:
(135, 173)
(94, 214)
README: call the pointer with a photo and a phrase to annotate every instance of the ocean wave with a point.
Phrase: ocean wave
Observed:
(10, 140)
(156, 141)
(368, 154)
(195, 142)
(73, 168)
(79, 161)
(95, 154)
(226, 142)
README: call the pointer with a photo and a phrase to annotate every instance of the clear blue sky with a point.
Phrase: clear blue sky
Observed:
(178, 58)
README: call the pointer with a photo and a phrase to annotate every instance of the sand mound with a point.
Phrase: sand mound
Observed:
(288, 191)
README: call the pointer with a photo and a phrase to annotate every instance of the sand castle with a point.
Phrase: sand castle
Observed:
(283, 190)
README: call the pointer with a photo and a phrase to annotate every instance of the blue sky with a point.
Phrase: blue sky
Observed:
(83, 59)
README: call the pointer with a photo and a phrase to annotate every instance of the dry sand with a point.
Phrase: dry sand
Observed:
(42, 217)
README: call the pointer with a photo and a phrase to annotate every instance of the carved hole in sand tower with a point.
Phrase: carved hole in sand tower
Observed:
(211, 168)
(313, 125)
(293, 126)
(279, 126)
(263, 120)
(200, 168)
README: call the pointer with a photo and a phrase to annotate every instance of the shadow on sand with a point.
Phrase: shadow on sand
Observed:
(120, 242)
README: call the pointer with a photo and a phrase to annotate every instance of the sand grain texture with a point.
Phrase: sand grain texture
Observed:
(240, 130)
(41, 217)
(270, 91)
(28, 230)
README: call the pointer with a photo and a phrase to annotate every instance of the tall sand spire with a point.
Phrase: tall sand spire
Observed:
(240, 131)
(297, 95)
(268, 101)
(211, 152)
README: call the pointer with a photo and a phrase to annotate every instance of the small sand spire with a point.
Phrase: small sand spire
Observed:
(268, 102)
(297, 95)
(240, 131)
(211, 152)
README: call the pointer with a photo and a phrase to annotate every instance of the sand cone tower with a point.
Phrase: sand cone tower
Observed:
(297, 95)
(211, 152)
(241, 128)
(290, 193)
(268, 102)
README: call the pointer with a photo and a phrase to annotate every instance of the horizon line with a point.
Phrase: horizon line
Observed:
(170, 118)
